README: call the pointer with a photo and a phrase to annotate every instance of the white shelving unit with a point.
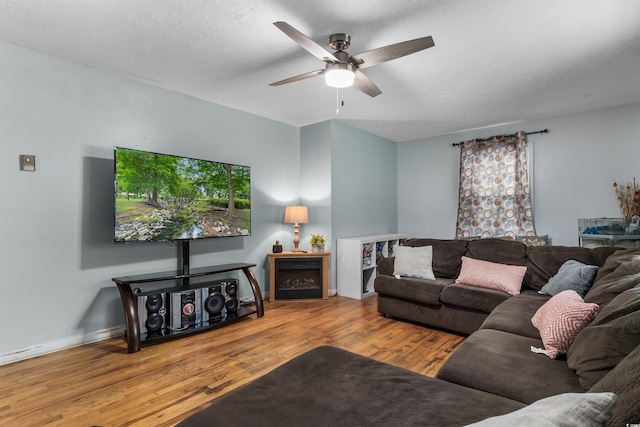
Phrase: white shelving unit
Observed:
(358, 259)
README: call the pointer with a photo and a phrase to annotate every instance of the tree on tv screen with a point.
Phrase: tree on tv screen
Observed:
(179, 197)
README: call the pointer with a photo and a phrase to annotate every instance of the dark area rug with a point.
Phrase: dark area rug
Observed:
(328, 386)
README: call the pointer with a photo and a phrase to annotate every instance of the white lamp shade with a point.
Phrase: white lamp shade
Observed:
(339, 78)
(296, 215)
(339, 75)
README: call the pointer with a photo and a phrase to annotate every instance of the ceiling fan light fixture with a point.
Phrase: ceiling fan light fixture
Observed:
(341, 69)
(339, 75)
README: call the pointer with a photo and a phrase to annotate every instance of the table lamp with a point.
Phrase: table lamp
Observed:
(296, 215)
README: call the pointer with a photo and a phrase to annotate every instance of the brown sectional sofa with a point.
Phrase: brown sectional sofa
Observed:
(493, 373)
(441, 303)
(496, 357)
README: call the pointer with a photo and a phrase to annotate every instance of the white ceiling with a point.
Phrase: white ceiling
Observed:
(494, 61)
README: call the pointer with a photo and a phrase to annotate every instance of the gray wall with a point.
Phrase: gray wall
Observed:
(363, 183)
(315, 182)
(348, 182)
(574, 167)
(57, 255)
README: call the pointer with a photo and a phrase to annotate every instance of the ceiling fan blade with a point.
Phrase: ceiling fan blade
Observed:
(298, 78)
(393, 51)
(364, 84)
(312, 47)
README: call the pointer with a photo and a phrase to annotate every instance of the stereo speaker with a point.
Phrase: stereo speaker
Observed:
(184, 309)
(219, 300)
(152, 313)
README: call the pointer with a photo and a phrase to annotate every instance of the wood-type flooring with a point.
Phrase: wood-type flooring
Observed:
(100, 384)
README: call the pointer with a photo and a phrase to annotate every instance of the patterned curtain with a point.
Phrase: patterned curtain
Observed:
(494, 197)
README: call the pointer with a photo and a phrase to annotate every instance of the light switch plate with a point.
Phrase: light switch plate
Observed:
(27, 162)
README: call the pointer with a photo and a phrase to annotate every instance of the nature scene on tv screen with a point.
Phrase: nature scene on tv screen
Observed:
(163, 197)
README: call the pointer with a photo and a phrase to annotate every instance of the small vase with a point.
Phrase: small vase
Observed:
(317, 248)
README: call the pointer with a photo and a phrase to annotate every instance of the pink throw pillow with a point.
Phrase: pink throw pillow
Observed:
(560, 319)
(485, 274)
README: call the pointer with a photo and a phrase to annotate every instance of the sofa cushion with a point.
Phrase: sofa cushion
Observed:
(608, 339)
(328, 386)
(447, 255)
(571, 275)
(413, 261)
(442, 316)
(502, 363)
(472, 297)
(515, 313)
(419, 291)
(621, 271)
(625, 386)
(601, 253)
(498, 250)
(567, 410)
(560, 319)
(543, 262)
(485, 274)
(384, 266)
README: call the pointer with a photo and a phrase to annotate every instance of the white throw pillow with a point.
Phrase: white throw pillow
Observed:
(567, 410)
(413, 261)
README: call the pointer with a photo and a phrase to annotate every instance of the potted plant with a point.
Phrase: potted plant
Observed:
(317, 243)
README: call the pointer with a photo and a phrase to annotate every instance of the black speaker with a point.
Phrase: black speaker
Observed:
(213, 303)
(184, 309)
(231, 289)
(152, 313)
(219, 300)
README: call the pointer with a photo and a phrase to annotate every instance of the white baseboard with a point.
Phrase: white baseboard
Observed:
(70, 342)
(75, 341)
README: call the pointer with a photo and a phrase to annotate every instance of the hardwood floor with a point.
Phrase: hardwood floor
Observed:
(101, 385)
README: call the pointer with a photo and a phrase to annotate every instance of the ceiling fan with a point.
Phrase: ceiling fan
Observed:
(342, 69)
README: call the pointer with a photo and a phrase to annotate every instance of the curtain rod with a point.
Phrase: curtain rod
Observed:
(457, 144)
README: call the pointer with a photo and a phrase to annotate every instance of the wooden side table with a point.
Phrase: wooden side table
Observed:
(297, 276)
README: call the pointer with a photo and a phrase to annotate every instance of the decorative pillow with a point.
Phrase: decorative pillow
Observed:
(485, 274)
(567, 409)
(468, 238)
(603, 344)
(533, 240)
(413, 261)
(617, 274)
(560, 319)
(571, 275)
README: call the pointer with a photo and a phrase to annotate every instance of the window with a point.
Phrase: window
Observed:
(494, 195)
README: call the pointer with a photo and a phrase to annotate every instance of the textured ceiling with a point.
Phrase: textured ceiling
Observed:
(494, 61)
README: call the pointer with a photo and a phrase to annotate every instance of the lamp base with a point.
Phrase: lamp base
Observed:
(296, 238)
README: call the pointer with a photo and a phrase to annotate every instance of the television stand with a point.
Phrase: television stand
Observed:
(129, 303)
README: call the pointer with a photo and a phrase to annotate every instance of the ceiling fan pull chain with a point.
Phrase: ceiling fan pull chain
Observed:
(339, 99)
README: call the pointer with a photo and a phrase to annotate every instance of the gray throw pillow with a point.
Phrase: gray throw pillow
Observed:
(566, 410)
(572, 275)
(413, 261)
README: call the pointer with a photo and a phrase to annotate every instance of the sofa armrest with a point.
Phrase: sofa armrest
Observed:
(385, 266)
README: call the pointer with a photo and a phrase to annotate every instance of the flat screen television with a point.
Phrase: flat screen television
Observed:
(161, 197)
